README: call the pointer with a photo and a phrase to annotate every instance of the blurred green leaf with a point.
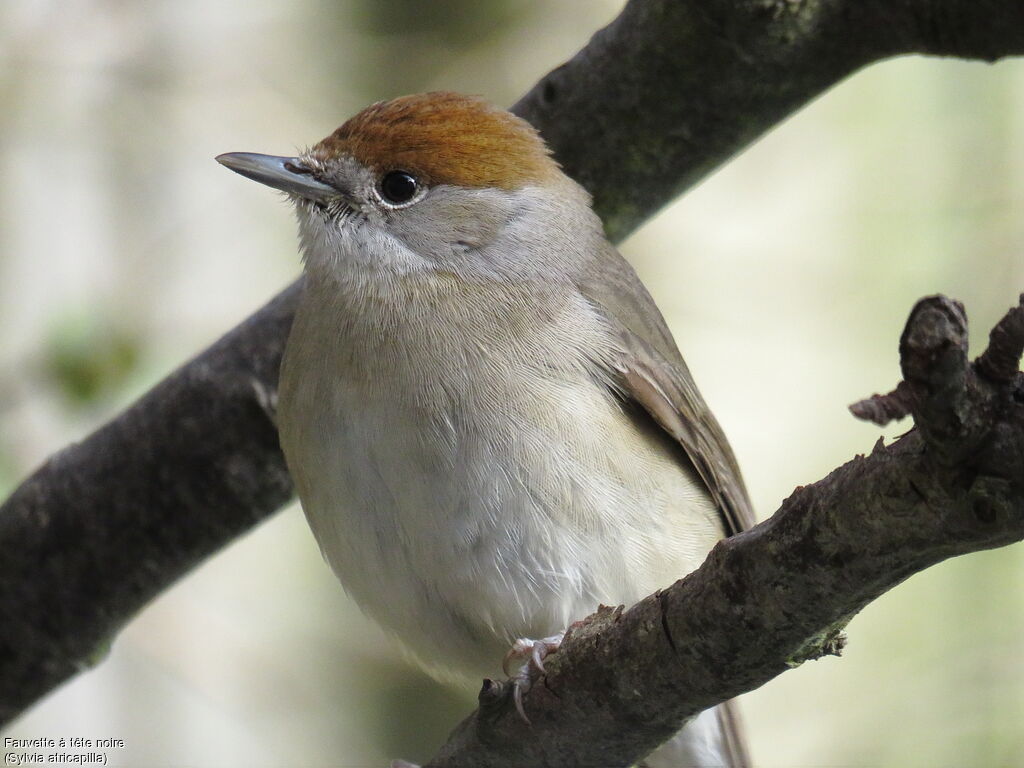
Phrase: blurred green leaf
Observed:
(89, 357)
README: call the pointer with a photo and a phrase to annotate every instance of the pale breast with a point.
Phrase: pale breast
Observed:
(463, 505)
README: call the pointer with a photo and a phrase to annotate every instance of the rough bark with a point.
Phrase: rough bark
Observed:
(779, 594)
(654, 102)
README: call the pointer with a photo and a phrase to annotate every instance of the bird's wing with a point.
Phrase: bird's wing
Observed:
(650, 372)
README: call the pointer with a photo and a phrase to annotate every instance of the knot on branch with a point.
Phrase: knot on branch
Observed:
(829, 642)
(956, 405)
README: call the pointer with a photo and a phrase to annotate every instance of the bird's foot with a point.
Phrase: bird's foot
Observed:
(532, 653)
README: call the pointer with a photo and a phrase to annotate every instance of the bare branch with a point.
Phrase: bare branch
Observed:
(775, 596)
(881, 409)
(673, 88)
(651, 105)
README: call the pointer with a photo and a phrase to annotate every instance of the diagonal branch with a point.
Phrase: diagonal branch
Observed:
(779, 594)
(654, 102)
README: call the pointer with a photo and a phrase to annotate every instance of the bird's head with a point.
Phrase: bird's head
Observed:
(430, 182)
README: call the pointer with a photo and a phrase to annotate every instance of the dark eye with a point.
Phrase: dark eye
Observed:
(398, 187)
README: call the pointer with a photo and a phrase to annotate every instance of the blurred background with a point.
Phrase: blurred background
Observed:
(786, 276)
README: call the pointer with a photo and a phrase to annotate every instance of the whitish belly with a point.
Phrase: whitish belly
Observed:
(461, 532)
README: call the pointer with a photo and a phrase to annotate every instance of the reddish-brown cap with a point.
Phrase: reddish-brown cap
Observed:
(444, 138)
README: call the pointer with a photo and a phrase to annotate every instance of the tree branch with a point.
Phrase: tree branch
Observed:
(655, 101)
(671, 89)
(775, 596)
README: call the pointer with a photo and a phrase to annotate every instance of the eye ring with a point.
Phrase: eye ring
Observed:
(398, 187)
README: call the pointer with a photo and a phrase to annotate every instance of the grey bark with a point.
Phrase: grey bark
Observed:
(652, 104)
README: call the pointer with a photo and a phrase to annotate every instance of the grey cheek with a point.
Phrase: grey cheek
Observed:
(474, 230)
(418, 233)
(482, 230)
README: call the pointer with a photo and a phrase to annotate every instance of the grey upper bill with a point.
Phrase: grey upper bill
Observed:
(287, 174)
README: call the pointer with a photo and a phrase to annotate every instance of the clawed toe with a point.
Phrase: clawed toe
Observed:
(534, 652)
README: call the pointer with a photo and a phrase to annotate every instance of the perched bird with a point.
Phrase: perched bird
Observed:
(490, 428)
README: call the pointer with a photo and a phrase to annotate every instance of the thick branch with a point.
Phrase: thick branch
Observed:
(654, 102)
(779, 594)
(108, 523)
(673, 88)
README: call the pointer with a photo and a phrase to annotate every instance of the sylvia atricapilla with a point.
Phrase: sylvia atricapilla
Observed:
(490, 428)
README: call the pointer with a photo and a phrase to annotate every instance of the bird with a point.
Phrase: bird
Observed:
(489, 425)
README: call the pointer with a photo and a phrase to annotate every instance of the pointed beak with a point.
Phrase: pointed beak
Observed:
(285, 173)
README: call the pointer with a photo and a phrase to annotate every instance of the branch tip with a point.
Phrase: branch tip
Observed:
(1001, 361)
(933, 345)
(881, 409)
(491, 697)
